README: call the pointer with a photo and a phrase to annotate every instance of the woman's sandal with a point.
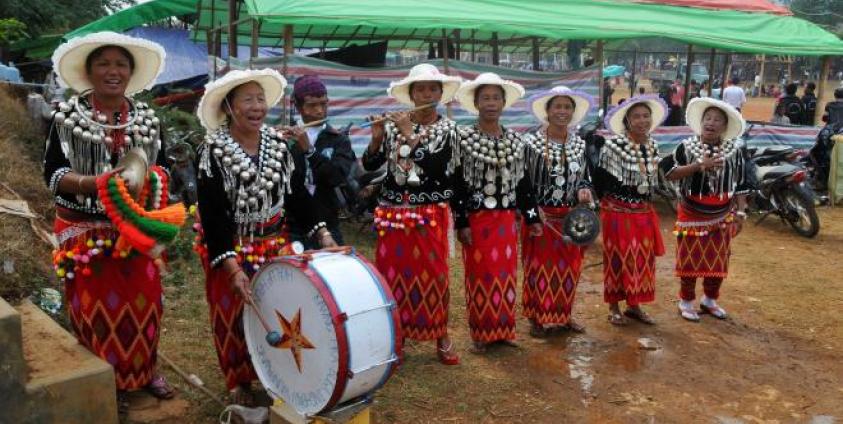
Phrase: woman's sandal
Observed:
(689, 314)
(122, 402)
(617, 319)
(159, 388)
(715, 311)
(640, 316)
(241, 395)
(477, 348)
(575, 327)
(446, 353)
(538, 331)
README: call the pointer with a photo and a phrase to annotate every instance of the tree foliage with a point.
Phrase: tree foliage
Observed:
(11, 30)
(828, 13)
(57, 16)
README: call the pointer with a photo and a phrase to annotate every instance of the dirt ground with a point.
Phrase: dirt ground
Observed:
(777, 360)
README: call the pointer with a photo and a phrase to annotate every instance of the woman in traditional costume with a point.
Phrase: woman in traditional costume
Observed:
(490, 184)
(113, 290)
(245, 185)
(557, 168)
(413, 217)
(624, 175)
(711, 169)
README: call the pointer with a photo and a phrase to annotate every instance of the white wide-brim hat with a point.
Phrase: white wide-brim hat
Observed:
(69, 60)
(465, 94)
(697, 107)
(400, 90)
(210, 110)
(658, 108)
(582, 103)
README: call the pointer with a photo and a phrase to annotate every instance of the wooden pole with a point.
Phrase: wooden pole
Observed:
(457, 44)
(536, 55)
(598, 60)
(495, 53)
(288, 51)
(473, 46)
(445, 66)
(632, 82)
(256, 29)
(689, 61)
(711, 71)
(724, 79)
(821, 95)
(232, 29)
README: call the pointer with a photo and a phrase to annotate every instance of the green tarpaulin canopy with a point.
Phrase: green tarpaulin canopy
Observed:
(519, 24)
(412, 23)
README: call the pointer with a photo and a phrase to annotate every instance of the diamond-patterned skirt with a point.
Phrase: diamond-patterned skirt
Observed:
(415, 264)
(226, 307)
(631, 241)
(551, 271)
(491, 263)
(705, 253)
(116, 312)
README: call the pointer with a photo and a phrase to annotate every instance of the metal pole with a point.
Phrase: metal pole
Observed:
(821, 97)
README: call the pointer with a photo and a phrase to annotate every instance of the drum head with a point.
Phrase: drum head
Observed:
(582, 225)
(302, 369)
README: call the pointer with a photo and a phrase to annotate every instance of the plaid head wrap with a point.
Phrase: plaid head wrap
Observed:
(308, 85)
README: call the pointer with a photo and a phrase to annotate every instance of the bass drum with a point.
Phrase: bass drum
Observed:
(340, 332)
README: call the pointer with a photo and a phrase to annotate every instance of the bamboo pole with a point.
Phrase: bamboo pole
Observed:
(761, 74)
(496, 59)
(232, 29)
(253, 52)
(711, 71)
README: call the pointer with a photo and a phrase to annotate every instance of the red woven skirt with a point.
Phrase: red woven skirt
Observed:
(703, 243)
(113, 299)
(491, 263)
(631, 241)
(412, 253)
(551, 271)
(226, 306)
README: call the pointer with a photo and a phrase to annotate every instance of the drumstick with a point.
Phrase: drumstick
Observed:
(272, 337)
(368, 124)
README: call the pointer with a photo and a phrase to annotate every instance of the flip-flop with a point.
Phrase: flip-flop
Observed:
(575, 327)
(122, 402)
(689, 314)
(617, 319)
(478, 348)
(538, 331)
(446, 354)
(159, 388)
(716, 311)
(640, 316)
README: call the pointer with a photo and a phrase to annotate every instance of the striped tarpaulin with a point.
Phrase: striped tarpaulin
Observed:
(356, 93)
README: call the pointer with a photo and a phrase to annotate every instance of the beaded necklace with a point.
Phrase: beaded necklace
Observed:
(631, 163)
(484, 158)
(556, 166)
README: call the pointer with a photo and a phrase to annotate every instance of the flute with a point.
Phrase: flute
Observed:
(366, 124)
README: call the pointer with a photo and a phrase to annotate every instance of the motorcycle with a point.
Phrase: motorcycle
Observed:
(781, 189)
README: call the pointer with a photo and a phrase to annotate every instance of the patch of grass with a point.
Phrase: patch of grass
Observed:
(21, 148)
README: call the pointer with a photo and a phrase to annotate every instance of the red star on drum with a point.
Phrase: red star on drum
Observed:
(293, 338)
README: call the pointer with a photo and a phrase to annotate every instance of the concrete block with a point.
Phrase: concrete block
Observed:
(65, 383)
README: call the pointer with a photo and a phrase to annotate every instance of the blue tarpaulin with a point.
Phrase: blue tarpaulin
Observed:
(9, 73)
(185, 59)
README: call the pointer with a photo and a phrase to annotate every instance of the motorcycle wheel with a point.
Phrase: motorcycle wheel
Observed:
(800, 212)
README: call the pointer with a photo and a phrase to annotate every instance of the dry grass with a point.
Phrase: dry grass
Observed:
(21, 147)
